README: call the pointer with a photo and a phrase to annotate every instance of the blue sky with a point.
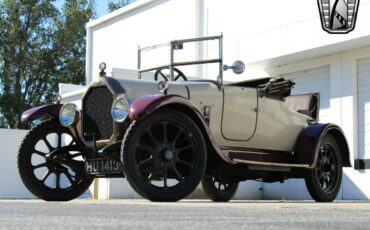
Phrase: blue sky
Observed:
(101, 6)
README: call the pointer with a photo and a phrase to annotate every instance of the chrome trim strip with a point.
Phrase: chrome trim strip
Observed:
(270, 163)
(240, 151)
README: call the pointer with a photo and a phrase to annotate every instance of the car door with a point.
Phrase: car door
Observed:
(239, 116)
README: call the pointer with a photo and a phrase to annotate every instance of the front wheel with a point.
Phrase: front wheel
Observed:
(324, 180)
(50, 163)
(219, 190)
(164, 156)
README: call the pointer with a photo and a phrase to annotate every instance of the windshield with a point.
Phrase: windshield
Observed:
(188, 59)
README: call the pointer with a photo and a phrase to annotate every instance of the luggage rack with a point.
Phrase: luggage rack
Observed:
(178, 45)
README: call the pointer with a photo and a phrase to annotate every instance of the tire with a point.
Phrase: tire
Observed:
(219, 190)
(52, 177)
(164, 156)
(324, 180)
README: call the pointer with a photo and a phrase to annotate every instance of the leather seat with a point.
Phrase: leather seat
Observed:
(307, 104)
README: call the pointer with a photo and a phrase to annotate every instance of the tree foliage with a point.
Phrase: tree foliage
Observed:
(112, 6)
(39, 47)
(71, 40)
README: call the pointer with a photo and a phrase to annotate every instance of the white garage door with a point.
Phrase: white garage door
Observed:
(314, 80)
(363, 103)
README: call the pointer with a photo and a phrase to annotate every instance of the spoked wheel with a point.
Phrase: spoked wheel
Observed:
(323, 182)
(164, 156)
(219, 190)
(49, 168)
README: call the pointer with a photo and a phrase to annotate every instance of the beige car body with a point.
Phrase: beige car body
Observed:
(238, 116)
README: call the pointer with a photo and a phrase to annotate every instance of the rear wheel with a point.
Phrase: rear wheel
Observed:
(219, 190)
(323, 182)
(50, 169)
(164, 156)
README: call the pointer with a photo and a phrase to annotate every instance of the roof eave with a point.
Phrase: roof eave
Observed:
(120, 12)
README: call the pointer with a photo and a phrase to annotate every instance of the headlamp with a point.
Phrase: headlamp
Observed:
(120, 109)
(68, 115)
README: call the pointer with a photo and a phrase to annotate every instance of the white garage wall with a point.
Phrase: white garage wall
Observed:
(259, 30)
(253, 31)
(11, 186)
(363, 103)
(116, 41)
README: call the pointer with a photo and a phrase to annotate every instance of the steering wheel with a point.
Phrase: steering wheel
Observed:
(177, 74)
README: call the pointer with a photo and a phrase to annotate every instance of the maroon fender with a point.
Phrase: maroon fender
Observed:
(146, 105)
(306, 149)
(37, 112)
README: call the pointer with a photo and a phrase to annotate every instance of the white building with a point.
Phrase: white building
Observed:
(274, 38)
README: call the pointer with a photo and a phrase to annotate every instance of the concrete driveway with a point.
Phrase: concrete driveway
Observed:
(187, 214)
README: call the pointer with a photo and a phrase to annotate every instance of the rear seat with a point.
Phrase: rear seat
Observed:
(307, 104)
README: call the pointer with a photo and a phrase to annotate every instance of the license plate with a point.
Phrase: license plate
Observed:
(102, 166)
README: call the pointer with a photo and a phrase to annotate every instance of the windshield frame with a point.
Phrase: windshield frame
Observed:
(177, 45)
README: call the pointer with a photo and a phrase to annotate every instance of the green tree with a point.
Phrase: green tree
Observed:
(112, 6)
(27, 55)
(39, 47)
(71, 40)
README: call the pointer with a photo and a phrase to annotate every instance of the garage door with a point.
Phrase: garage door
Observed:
(363, 103)
(314, 80)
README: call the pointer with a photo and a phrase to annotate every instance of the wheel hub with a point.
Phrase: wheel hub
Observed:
(326, 168)
(168, 155)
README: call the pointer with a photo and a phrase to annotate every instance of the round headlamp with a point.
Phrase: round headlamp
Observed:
(120, 109)
(68, 115)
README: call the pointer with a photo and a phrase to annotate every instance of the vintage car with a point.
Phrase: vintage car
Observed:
(167, 136)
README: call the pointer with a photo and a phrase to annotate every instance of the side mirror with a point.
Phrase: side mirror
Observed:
(238, 67)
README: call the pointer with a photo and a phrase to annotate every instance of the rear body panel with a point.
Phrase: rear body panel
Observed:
(240, 118)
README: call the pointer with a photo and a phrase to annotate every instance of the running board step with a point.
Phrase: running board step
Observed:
(262, 157)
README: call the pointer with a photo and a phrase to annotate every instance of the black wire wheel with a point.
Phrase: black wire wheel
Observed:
(50, 163)
(164, 156)
(324, 180)
(219, 190)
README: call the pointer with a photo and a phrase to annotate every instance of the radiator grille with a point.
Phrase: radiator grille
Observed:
(96, 117)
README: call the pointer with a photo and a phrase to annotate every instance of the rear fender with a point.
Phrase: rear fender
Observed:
(146, 105)
(306, 148)
(40, 111)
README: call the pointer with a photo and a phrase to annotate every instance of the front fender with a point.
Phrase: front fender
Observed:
(146, 105)
(306, 148)
(37, 112)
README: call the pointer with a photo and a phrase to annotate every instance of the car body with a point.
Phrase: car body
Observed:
(166, 136)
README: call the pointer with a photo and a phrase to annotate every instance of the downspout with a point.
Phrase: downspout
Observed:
(88, 80)
(88, 65)
(199, 32)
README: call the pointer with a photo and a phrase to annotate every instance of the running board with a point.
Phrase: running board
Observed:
(254, 167)
(262, 157)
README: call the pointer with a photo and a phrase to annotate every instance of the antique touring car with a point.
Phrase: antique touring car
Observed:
(167, 136)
